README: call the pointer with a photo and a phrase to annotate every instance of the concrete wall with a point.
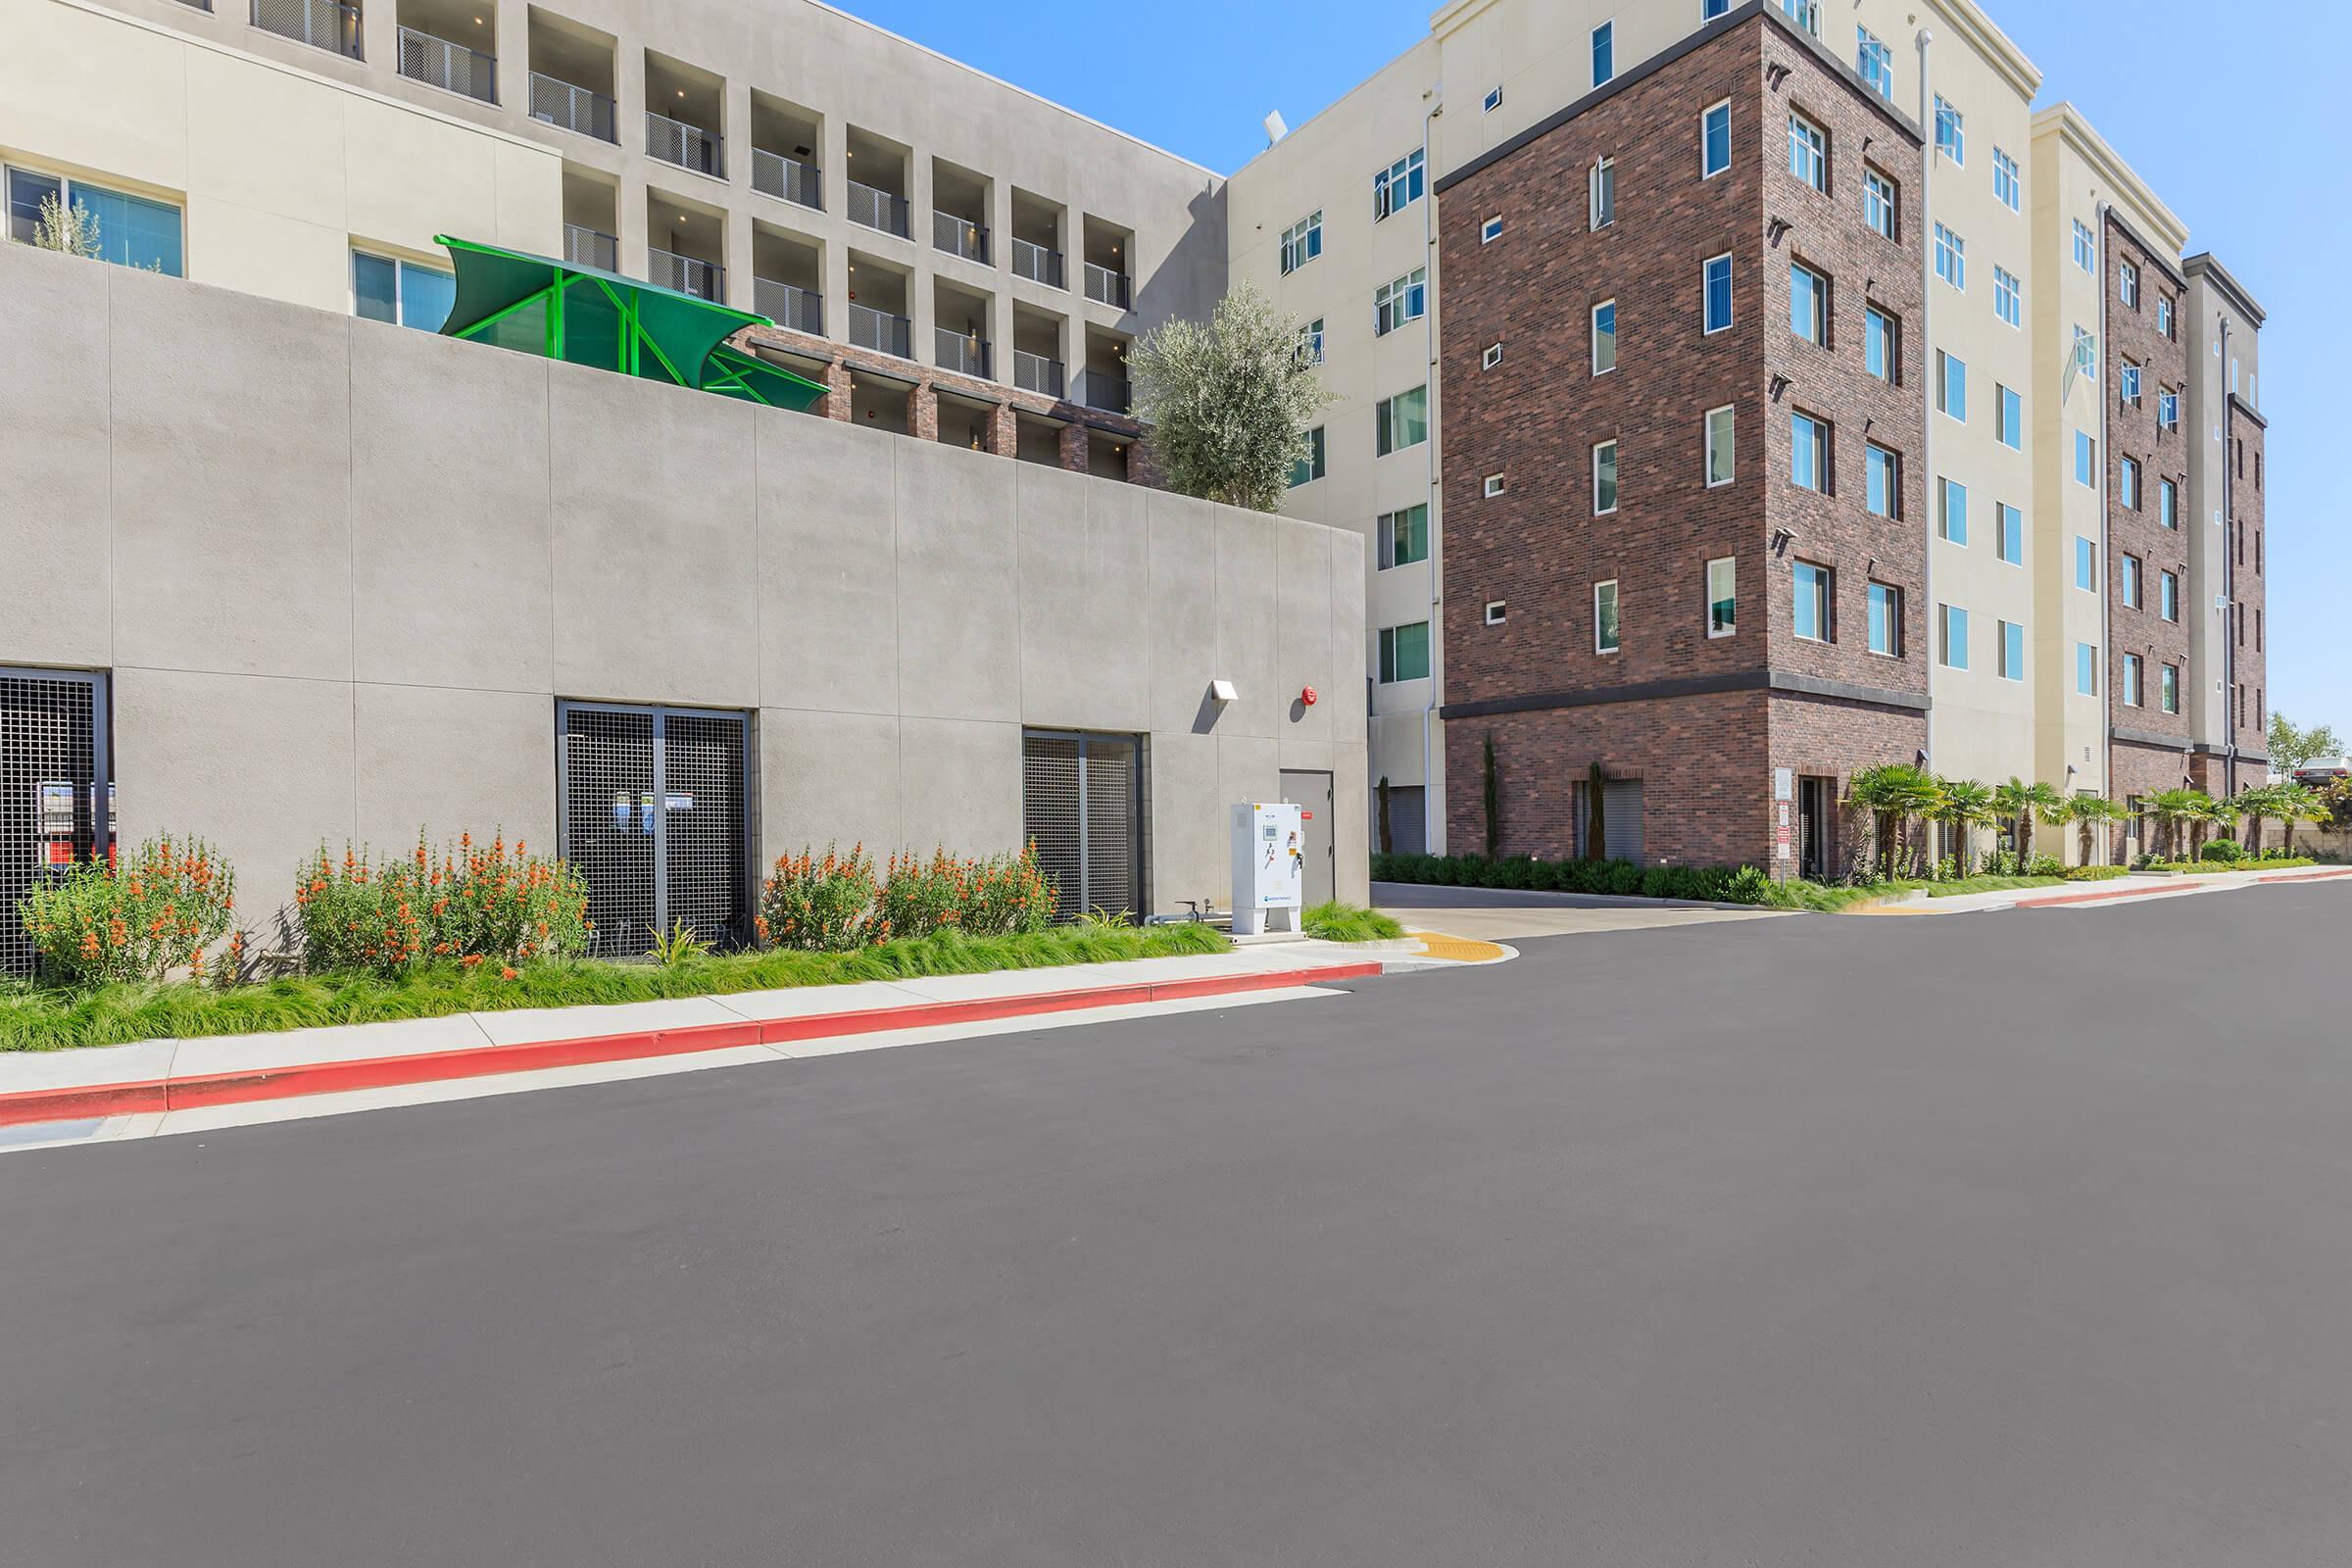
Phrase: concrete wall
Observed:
(341, 570)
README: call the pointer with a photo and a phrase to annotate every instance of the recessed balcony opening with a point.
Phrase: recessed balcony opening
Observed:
(785, 139)
(787, 280)
(684, 109)
(963, 422)
(1104, 384)
(959, 318)
(571, 76)
(878, 307)
(591, 220)
(1037, 440)
(878, 403)
(683, 245)
(452, 45)
(876, 187)
(1107, 455)
(1036, 226)
(1036, 353)
(321, 24)
(960, 213)
(1109, 251)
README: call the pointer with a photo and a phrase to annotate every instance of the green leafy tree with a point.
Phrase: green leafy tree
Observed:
(2020, 803)
(2293, 748)
(2089, 814)
(1228, 401)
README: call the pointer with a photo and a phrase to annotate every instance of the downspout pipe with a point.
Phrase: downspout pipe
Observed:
(1927, 369)
(1430, 497)
(2108, 651)
(2229, 611)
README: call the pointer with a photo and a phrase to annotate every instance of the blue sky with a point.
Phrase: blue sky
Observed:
(2216, 129)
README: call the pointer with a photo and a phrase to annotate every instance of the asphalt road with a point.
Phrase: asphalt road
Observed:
(2007, 1239)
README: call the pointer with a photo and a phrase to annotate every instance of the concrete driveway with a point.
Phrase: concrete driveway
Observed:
(1500, 915)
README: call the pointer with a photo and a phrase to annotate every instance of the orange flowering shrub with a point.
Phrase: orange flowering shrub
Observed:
(834, 903)
(462, 903)
(139, 916)
(822, 903)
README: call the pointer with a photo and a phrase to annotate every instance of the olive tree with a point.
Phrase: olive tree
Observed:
(1227, 401)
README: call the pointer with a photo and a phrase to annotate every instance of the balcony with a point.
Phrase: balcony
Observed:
(788, 178)
(572, 108)
(959, 236)
(1108, 286)
(321, 24)
(1036, 372)
(879, 209)
(450, 66)
(965, 356)
(1099, 389)
(881, 331)
(690, 147)
(1036, 263)
(584, 246)
(789, 306)
(705, 280)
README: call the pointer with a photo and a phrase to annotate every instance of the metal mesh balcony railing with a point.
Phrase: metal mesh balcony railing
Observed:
(799, 308)
(321, 24)
(673, 141)
(786, 177)
(705, 280)
(1036, 263)
(1099, 389)
(590, 247)
(881, 331)
(450, 66)
(1036, 372)
(961, 352)
(1106, 285)
(560, 102)
(878, 208)
(959, 236)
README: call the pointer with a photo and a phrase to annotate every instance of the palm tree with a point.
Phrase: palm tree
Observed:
(1965, 805)
(2210, 814)
(2088, 813)
(1892, 794)
(2291, 804)
(2174, 809)
(2021, 802)
(2258, 804)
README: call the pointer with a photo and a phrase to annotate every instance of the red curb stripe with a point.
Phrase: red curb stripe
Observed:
(2185, 884)
(481, 1061)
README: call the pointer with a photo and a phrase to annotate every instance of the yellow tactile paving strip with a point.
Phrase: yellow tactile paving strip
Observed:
(1455, 950)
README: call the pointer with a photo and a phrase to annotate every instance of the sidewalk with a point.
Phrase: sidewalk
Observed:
(163, 1076)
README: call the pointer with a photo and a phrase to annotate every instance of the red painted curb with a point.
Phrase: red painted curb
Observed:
(2157, 893)
(481, 1061)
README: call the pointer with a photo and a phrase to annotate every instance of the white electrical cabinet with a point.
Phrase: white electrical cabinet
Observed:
(1269, 864)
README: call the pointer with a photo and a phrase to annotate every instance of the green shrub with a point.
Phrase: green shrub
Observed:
(1748, 885)
(1624, 880)
(820, 904)
(2044, 865)
(1347, 922)
(463, 903)
(2094, 873)
(2224, 848)
(139, 916)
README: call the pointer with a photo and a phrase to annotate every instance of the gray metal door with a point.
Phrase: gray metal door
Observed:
(56, 788)
(1313, 793)
(1620, 818)
(1082, 807)
(656, 814)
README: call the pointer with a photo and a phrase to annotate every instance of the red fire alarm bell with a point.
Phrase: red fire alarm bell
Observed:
(1307, 697)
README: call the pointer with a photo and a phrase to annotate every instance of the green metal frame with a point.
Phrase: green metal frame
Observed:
(595, 317)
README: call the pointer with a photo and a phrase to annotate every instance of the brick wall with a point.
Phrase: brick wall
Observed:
(2249, 548)
(2133, 433)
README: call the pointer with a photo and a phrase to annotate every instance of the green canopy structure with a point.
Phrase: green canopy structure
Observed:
(586, 316)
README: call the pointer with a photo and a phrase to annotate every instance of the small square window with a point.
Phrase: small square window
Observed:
(1492, 357)
(1495, 485)
(1490, 231)
(1493, 99)
(1494, 610)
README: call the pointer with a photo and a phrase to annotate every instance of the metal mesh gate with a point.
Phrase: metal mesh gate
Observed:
(1081, 805)
(656, 815)
(54, 782)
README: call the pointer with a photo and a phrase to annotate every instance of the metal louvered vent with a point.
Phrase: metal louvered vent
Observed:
(1620, 818)
(656, 814)
(1081, 805)
(54, 781)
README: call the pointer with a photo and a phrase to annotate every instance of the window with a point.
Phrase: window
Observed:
(2008, 298)
(2163, 314)
(1813, 601)
(2126, 383)
(1873, 60)
(1808, 304)
(1808, 153)
(1882, 480)
(2129, 566)
(1715, 141)
(1493, 99)
(1723, 597)
(1403, 537)
(2168, 595)
(2012, 658)
(2086, 460)
(1878, 201)
(1718, 293)
(1951, 637)
(2127, 284)
(1604, 52)
(1809, 451)
(385, 289)
(1951, 511)
(2168, 410)
(1310, 342)
(1719, 450)
(1404, 653)
(1301, 243)
(1401, 300)
(2128, 483)
(1604, 337)
(1492, 357)
(1604, 478)
(1494, 612)
(1398, 186)
(1951, 139)
(2169, 687)
(1709, 10)
(1602, 192)
(2011, 525)
(2087, 250)
(1309, 467)
(1401, 421)
(1952, 257)
(132, 230)
(2086, 565)
(1806, 14)
(1495, 485)
(2009, 418)
(1604, 618)
(2007, 188)
(1881, 351)
(2130, 680)
(2168, 504)
(1887, 619)
(1490, 230)
(2085, 355)
(1951, 385)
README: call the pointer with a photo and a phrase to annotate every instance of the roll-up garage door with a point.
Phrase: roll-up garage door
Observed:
(1620, 818)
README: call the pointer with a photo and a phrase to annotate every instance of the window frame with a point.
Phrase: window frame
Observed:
(401, 267)
(1613, 448)
(1874, 62)
(1385, 527)
(1410, 173)
(1879, 458)
(1401, 302)
(1725, 625)
(1955, 145)
(1951, 385)
(1944, 642)
(1813, 592)
(1952, 257)
(1615, 620)
(1873, 317)
(2009, 534)
(1315, 465)
(1882, 203)
(1947, 487)
(2132, 696)
(2006, 171)
(1593, 325)
(1729, 447)
(1818, 446)
(1302, 242)
(1385, 413)
(2008, 296)
(1390, 670)
(1817, 285)
(2008, 417)
(69, 187)
(1706, 295)
(1601, 193)
(2008, 666)
(1604, 52)
(1884, 607)
(1707, 167)
(1808, 145)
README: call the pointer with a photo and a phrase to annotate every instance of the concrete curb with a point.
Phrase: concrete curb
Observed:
(2183, 884)
(180, 1092)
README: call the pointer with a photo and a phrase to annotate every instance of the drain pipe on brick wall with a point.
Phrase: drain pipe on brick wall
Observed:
(1927, 380)
(1437, 549)
(2109, 654)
